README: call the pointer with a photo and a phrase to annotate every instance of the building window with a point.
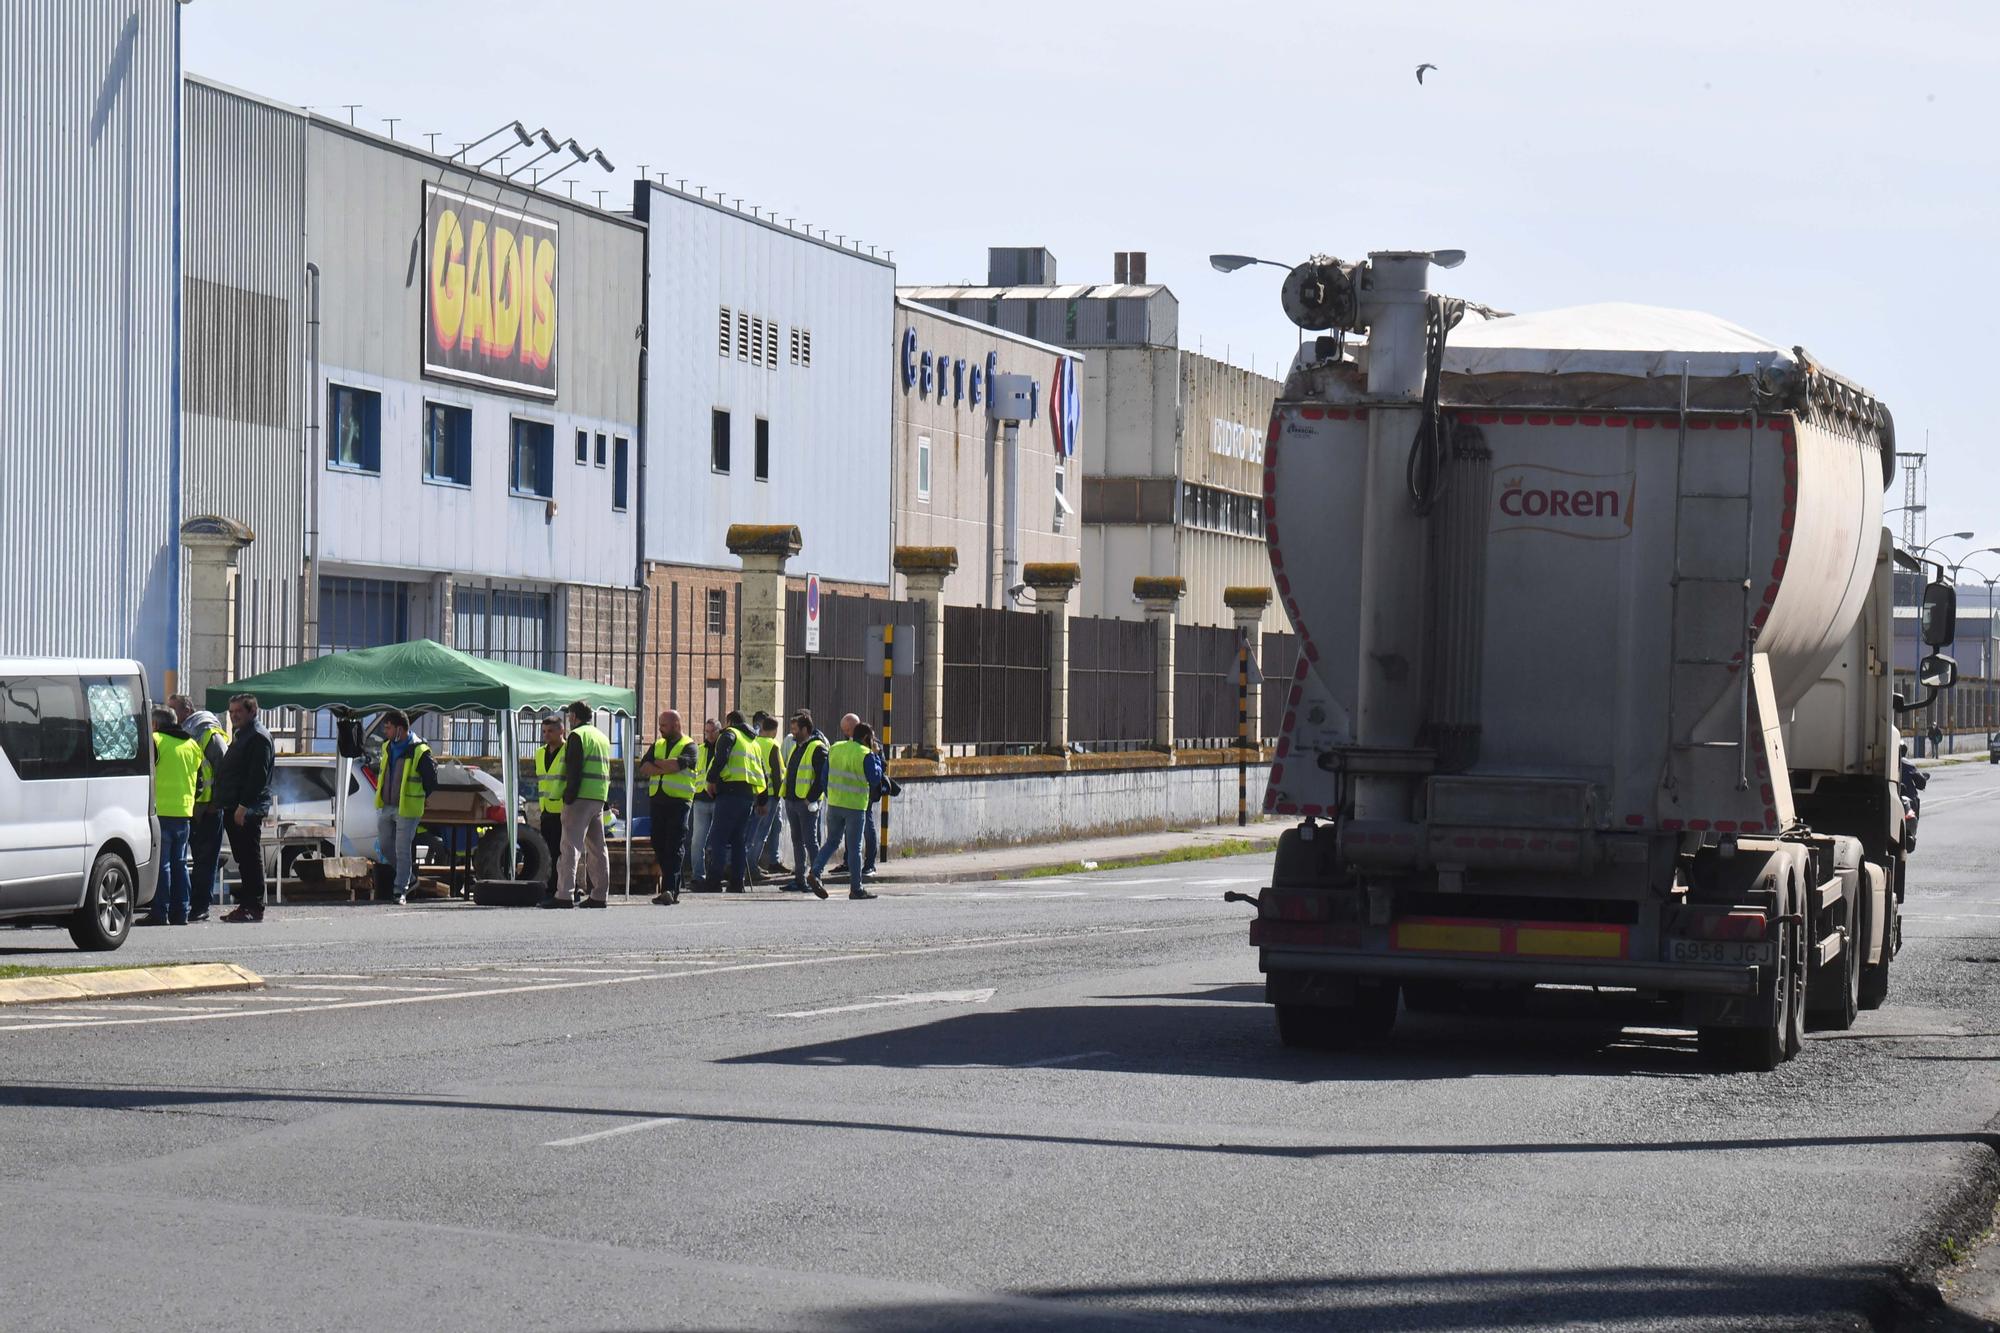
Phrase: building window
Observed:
(806, 347)
(1069, 322)
(923, 469)
(1111, 321)
(447, 444)
(742, 336)
(718, 611)
(620, 464)
(582, 447)
(756, 341)
(354, 428)
(1063, 509)
(1034, 317)
(993, 312)
(531, 458)
(722, 331)
(771, 345)
(760, 459)
(600, 448)
(718, 441)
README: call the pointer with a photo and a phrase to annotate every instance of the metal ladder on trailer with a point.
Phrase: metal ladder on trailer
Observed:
(1679, 660)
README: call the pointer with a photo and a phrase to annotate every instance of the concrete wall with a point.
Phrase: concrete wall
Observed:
(964, 506)
(949, 814)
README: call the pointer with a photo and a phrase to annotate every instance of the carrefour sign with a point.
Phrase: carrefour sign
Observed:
(490, 297)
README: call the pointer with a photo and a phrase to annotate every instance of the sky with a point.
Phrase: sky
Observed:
(1822, 173)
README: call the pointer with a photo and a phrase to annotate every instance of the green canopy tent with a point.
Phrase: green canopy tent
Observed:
(427, 677)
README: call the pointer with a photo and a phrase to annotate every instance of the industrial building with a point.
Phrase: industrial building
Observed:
(950, 457)
(768, 381)
(90, 331)
(1173, 474)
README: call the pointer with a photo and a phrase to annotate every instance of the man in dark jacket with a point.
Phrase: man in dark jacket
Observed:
(243, 791)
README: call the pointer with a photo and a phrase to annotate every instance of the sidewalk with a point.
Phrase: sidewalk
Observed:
(1013, 862)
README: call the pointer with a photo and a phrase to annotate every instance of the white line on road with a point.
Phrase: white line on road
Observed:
(613, 1133)
(892, 1001)
(350, 986)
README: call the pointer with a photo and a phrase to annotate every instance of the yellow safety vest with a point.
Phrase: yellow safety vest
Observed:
(744, 764)
(847, 776)
(176, 774)
(804, 783)
(679, 785)
(548, 780)
(701, 770)
(409, 791)
(596, 782)
(205, 793)
(767, 750)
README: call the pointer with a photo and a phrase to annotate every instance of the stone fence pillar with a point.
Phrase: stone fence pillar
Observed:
(924, 570)
(213, 544)
(1052, 584)
(760, 650)
(1161, 596)
(1248, 605)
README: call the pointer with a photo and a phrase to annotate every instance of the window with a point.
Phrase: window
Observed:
(742, 336)
(1111, 321)
(761, 459)
(354, 428)
(805, 347)
(582, 447)
(1034, 311)
(795, 345)
(69, 727)
(718, 610)
(600, 448)
(993, 312)
(771, 344)
(722, 331)
(718, 441)
(531, 459)
(620, 459)
(1069, 322)
(756, 340)
(1062, 498)
(447, 444)
(924, 469)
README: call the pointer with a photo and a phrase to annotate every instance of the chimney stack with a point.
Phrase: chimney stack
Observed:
(1118, 268)
(1136, 266)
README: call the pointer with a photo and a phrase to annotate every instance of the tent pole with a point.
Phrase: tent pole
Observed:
(626, 739)
(510, 778)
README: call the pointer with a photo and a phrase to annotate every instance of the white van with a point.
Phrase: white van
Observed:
(78, 838)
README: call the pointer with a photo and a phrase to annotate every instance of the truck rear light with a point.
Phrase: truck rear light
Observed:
(1744, 925)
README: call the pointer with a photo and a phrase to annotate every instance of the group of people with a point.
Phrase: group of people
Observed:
(208, 786)
(717, 806)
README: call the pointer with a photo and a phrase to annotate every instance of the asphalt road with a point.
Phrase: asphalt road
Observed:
(1045, 1104)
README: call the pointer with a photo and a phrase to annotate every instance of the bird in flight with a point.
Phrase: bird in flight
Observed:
(1421, 69)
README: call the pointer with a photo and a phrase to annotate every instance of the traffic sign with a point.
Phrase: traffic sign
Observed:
(812, 614)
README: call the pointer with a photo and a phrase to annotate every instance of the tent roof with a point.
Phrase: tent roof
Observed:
(420, 676)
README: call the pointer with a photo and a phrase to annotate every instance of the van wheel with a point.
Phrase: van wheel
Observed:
(105, 918)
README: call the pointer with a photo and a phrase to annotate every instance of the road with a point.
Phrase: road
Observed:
(1043, 1104)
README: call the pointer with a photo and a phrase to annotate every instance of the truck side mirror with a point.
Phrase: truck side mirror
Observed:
(1940, 614)
(1937, 672)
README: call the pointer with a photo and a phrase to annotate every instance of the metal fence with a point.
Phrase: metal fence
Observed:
(1205, 694)
(996, 679)
(1278, 663)
(845, 675)
(692, 627)
(1110, 683)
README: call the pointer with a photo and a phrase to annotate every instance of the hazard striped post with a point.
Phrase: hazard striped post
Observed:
(1247, 605)
(888, 706)
(1242, 728)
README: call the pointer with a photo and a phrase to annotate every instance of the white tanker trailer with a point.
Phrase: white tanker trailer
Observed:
(1595, 610)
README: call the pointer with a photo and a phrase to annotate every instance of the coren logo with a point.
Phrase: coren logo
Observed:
(1569, 504)
(490, 297)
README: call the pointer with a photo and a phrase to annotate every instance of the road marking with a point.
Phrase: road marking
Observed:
(1062, 1060)
(329, 1003)
(1133, 883)
(350, 986)
(892, 1001)
(613, 1133)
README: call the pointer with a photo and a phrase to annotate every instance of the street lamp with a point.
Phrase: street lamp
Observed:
(1917, 671)
(1230, 263)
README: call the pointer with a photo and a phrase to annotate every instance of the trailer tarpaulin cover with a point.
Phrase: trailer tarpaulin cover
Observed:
(1614, 338)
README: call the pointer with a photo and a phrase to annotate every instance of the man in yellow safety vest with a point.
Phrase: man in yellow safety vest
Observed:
(853, 771)
(736, 780)
(408, 775)
(671, 772)
(205, 833)
(176, 776)
(586, 789)
(549, 791)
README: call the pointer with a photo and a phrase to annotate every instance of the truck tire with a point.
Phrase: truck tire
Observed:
(1762, 1048)
(1837, 988)
(1343, 1027)
(1875, 976)
(105, 918)
(489, 856)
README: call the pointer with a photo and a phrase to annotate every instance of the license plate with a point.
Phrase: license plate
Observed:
(1741, 953)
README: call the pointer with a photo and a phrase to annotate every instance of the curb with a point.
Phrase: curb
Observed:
(1266, 835)
(129, 983)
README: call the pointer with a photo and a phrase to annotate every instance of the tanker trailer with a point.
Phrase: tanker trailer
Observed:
(1594, 689)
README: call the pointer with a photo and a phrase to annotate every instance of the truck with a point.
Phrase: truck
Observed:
(1595, 685)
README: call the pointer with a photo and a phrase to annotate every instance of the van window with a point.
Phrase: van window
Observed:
(63, 727)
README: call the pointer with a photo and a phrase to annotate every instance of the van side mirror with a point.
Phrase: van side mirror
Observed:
(1937, 672)
(347, 734)
(1940, 614)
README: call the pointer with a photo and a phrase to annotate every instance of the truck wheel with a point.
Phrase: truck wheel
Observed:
(1837, 989)
(105, 918)
(1763, 1048)
(1316, 1028)
(1433, 997)
(489, 856)
(1875, 976)
(1795, 1002)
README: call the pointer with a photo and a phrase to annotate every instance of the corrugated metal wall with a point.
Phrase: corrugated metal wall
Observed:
(89, 93)
(243, 345)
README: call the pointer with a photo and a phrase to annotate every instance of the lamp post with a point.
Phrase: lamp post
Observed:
(1917, 666)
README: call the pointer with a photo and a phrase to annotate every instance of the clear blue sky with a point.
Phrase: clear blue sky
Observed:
(1821, 172)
